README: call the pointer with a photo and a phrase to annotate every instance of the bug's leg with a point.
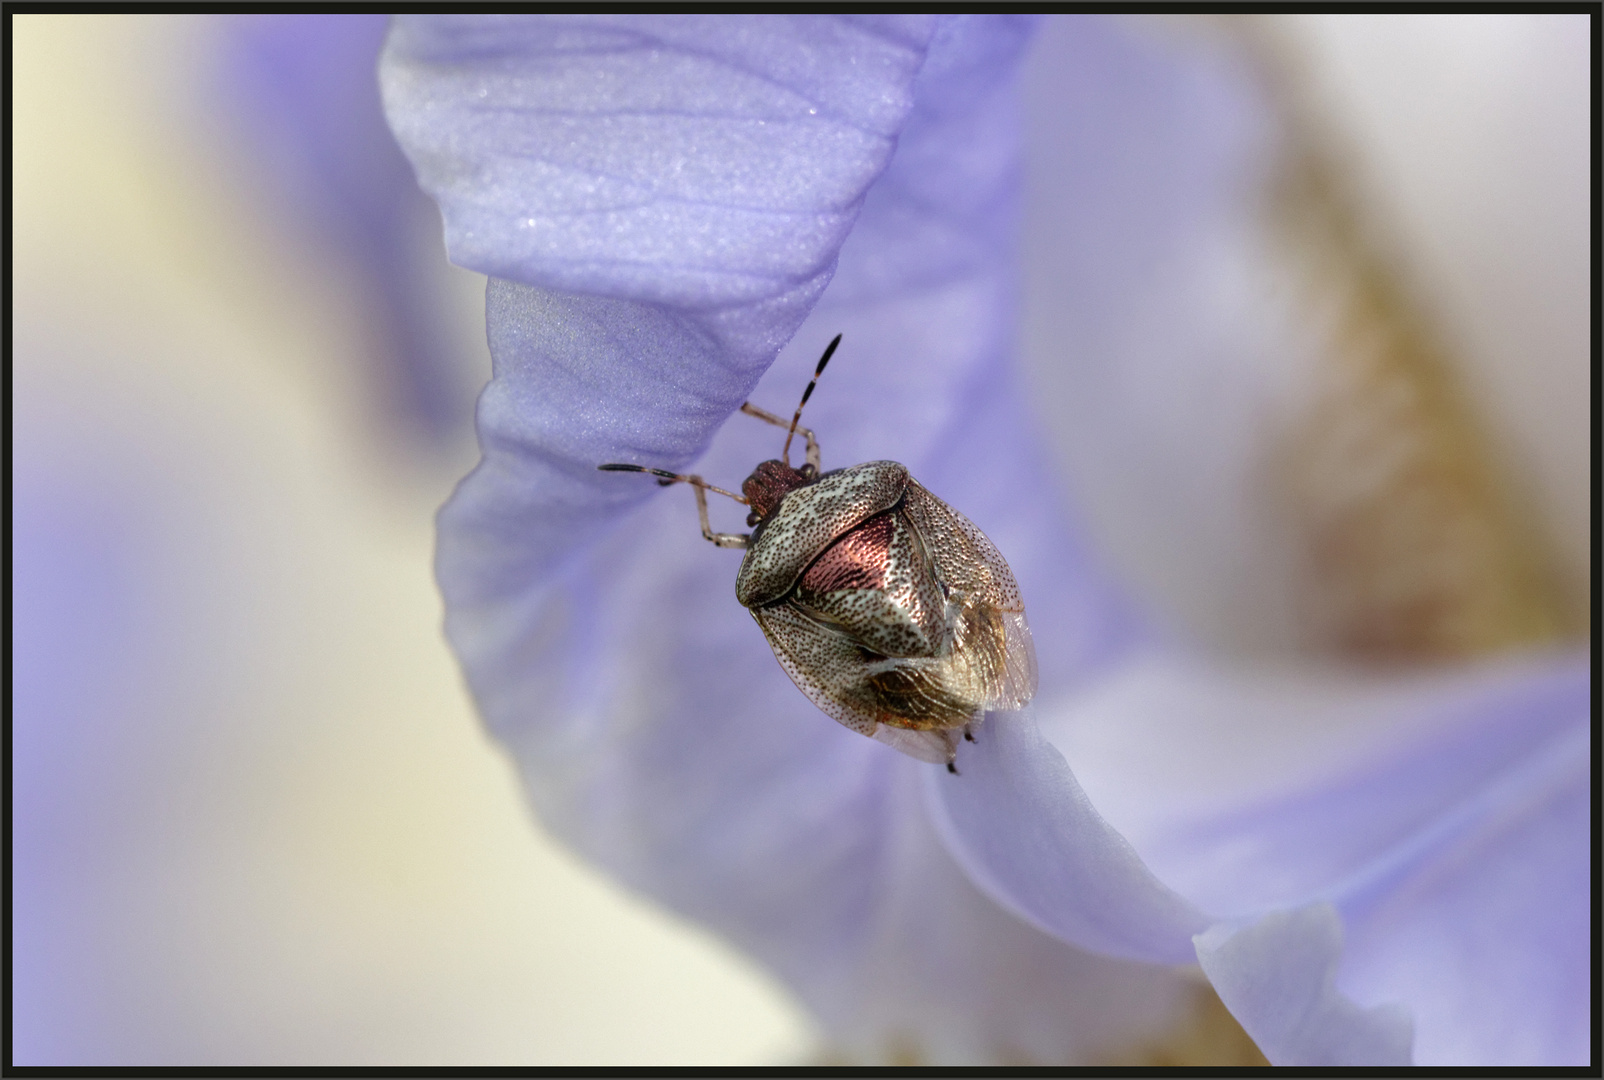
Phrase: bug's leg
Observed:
(969, 736)
(702, 487)
(952, 769)
(812, 457)
(724, 540)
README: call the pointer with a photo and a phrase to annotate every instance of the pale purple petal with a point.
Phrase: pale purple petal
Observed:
(1154, 327)
(1252, 791)
(1408, 804)
(954, 979)
(1249, 790)
(1278, 977)
(1027, 835)
(1445, 818)
(1489, 938)
(690, 160)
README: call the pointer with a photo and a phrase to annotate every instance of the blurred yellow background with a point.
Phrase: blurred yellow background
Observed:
(270, 827)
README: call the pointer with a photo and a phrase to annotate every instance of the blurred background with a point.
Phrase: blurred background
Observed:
(255, 819)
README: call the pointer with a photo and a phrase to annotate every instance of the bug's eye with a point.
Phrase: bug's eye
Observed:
(808, 471)
(752, 518)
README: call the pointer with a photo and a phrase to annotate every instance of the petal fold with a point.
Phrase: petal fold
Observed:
(1442, 816)
(1026, 833)
(1483, 926)
(1277, 976)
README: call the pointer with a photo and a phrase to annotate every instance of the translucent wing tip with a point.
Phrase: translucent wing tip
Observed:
(1017, 684)
(936, 747)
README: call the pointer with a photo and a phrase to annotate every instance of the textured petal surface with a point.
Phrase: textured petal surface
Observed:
(699, 160)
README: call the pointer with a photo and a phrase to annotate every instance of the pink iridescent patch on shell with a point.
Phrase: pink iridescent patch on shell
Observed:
(856, 561)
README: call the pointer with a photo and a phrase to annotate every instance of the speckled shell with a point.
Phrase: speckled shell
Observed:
(936, 639)
(810, 519)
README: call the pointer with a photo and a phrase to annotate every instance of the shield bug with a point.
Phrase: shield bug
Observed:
(889, 609)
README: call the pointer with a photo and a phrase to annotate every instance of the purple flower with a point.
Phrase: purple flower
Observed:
(1368, 869)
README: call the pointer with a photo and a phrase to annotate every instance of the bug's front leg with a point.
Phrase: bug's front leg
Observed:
(723, 540)
(702, 487)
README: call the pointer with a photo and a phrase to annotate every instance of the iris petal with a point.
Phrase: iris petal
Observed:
(694, 161)
(1252, 791)
(1485, 932)
(1025, 831)
(1397, 801)
(1278, 976)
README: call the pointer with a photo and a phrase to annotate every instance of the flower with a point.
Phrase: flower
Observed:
(670, 205)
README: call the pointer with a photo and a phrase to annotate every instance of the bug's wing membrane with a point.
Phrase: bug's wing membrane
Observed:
(995, 636)
(936, 747)
(1018, 683)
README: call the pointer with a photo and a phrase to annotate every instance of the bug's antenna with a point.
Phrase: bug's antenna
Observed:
(666, 478)
(829, 350)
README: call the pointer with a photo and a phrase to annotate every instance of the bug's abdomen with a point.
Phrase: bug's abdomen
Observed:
(874, 584)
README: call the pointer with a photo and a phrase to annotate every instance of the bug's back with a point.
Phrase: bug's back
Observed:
(908, 627)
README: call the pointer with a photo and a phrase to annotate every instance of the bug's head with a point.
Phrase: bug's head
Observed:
(768, 484)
